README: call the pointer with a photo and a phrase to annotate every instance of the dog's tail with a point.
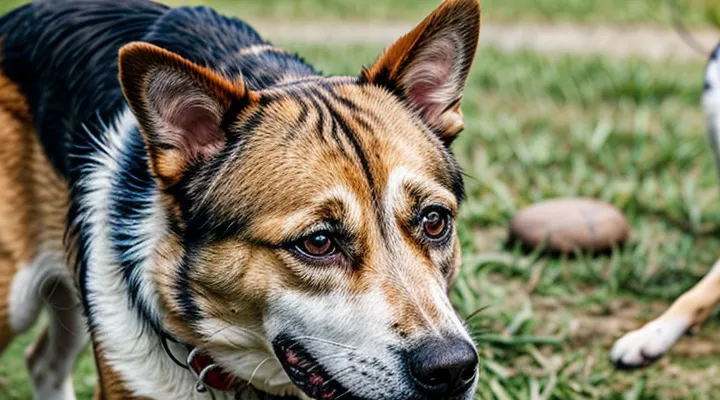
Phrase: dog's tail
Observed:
(711, 103)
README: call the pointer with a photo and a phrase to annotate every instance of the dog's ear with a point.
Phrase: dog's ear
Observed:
(428, 67)
(182, 108)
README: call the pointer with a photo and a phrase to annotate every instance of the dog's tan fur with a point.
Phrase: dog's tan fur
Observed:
(699, 301)
(690, 311)
(7, 270)
(111, 385)
(33, 199)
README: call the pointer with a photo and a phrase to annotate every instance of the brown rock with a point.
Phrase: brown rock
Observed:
(569, 224)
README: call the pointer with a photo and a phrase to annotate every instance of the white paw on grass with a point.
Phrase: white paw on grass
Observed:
(642, 347)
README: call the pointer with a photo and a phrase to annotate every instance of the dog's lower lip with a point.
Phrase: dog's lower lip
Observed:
(306, 373)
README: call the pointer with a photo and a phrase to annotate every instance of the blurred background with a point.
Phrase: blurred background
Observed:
(595, 98)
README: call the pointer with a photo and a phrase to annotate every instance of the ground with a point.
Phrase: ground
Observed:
(625, 127)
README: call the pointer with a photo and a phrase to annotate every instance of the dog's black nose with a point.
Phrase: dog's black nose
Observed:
(444, 366)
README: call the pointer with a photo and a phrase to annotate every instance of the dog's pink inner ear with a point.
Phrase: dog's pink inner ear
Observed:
(183, 124)
(203, 135)
(431, 82)
(189, 121)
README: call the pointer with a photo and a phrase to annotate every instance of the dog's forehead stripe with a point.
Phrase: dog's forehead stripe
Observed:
(324, 115)
(402, 176)
(288, 225)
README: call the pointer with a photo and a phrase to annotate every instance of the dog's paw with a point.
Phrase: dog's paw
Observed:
(644, 346)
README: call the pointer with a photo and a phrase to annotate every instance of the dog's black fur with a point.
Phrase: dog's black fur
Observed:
(69, 77)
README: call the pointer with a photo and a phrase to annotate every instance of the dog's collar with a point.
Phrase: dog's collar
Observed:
(208, 373)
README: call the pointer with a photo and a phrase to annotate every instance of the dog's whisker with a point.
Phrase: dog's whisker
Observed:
(212, 336)
(253, 334)
(270, 377)
(476, 313)
(328, 357)
(346, 392)
(257, 369)
(326, 341)
(338, 375)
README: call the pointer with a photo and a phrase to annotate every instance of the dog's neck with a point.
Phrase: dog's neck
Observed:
(125, 224)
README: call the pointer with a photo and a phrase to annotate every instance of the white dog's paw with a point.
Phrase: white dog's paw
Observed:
(647, 344)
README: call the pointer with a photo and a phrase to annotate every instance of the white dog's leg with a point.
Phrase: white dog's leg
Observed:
(711, 104)
(645, 345)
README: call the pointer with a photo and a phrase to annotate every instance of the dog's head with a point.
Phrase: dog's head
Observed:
(311, 238)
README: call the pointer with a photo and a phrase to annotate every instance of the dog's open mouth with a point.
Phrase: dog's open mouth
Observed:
(306, 373)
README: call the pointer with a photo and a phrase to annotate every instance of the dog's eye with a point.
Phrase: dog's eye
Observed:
(317, 245)
(435, 223)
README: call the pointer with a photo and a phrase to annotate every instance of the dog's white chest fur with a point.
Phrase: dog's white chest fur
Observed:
(130, 346)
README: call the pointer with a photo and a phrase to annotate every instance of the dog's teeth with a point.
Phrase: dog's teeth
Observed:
(291, 357)
(316, 379)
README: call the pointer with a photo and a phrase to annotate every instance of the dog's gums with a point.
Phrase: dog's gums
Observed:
(306, 372)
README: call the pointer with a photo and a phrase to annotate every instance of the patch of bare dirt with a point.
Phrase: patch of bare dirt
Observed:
(605, 323)
(562, 38)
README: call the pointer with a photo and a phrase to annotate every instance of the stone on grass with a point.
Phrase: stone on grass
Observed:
(570, 224)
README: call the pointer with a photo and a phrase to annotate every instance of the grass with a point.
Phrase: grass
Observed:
(694, 13)
(628, 132)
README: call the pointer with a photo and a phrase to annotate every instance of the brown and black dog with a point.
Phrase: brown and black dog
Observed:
(232, 222)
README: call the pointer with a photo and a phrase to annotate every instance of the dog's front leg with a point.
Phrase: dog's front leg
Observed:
(645, 345)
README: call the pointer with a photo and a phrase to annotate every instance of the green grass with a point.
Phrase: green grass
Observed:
(701, 13)
(628, 132)
(13, 375)
(693, 12)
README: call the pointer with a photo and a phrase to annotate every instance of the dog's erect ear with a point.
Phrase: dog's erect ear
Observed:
(428, 67)
(181, 107)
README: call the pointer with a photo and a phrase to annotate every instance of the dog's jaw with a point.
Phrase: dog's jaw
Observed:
(306, 372)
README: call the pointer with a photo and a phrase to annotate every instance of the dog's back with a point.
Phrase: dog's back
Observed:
(62, 55)
(57, 77)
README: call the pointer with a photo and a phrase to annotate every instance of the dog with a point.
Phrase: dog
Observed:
(218, 219)
(646, 345)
